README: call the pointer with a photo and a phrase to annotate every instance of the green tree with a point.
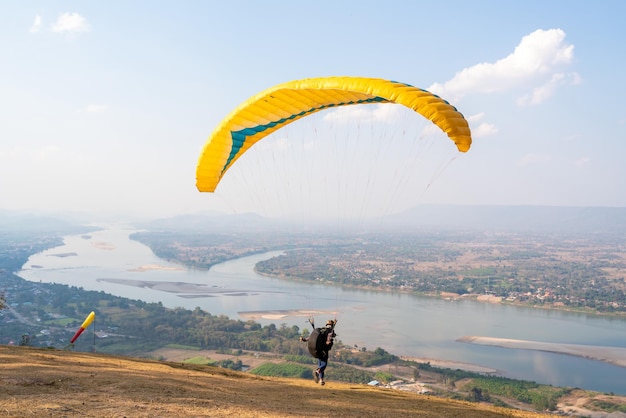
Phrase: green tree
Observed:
(384, 377)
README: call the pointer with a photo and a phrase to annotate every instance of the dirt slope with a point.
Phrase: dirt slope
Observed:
(54, 383)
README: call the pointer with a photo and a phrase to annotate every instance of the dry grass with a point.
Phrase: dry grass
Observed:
(54, 383)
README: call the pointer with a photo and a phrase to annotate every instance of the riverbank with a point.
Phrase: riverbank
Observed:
(612, 355)
(559, 307)
(454, 365)
(285, 313)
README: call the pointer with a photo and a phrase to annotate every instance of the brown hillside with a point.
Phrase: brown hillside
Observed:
(54, 383)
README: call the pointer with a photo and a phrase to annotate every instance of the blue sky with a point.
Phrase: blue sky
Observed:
(105, 107)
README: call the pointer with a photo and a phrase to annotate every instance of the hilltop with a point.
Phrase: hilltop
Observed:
(54, 383)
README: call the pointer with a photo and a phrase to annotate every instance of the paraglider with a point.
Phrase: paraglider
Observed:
(319, 343)
(280, 105)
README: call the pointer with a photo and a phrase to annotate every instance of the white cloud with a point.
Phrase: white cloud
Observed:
(70, 23)
(24, 156)
(36, 26)
(532, 159)
(19, 155)
(573, 138)
(545, 91)
(96, 108)
(582, 161)
(387, 113)
(538, 56)
(45, 153)
(484, 129)
(11, 154)
(481, 129)
(348, 114)
(475, 118)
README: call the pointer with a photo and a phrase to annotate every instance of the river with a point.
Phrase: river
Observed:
(402, 324)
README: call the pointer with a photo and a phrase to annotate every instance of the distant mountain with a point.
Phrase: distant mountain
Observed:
(212, 221)
(532, 219)
(513, 218)
(25, 222)
(535, 219)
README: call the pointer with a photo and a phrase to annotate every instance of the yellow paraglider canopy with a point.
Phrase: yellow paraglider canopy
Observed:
(278, 106)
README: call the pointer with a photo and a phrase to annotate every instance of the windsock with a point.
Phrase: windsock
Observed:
(84, 326)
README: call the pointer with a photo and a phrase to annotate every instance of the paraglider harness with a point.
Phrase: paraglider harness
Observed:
(316, 343)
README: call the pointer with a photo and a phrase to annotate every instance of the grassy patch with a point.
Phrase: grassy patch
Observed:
(607, 406)
(63, 322)
(198, 360)
(541, 397)
(479, 272)
(283, 370)
(127, 347)
(183, 347)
